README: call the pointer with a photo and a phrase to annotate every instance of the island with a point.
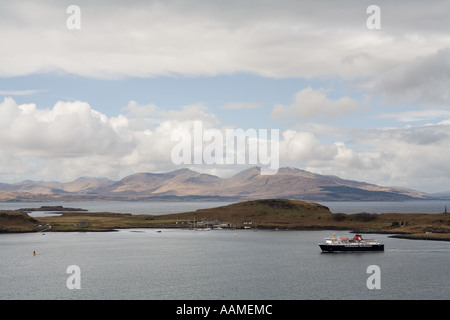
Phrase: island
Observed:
(274, 214)
(51, 208)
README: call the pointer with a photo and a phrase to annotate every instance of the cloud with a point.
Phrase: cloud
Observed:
(72, 139)
(304, 147)
(417, 115)
(407, 62)
(241, 105)
(157, 114)
(424, 80)
(309, 104)
(205, 38)
(68, 129)
(408, 156)
(411, 156)
(18, 92)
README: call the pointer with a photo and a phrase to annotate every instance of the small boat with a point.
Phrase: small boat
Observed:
(337, 244)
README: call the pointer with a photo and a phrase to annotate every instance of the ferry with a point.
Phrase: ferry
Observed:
(357, 243)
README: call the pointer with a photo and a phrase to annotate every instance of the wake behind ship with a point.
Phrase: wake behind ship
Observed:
(336, 244)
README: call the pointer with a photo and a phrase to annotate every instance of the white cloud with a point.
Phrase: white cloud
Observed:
(68, 129)
(301, 147)
(407, 60)
(424, 80)
(408, 156)
(241, 105)
(413, 156)
(270, 38)
(72, 139)
(309, 103)
(18, 92)
(417, 115)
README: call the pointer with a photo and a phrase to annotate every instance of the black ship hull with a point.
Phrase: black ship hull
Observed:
(350, 248)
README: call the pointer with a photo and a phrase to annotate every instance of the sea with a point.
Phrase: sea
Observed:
(165, 207)
(179, 264)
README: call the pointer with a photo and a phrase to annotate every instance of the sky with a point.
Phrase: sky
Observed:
(98, 92)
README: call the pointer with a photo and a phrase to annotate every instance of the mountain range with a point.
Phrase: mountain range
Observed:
(185, 184)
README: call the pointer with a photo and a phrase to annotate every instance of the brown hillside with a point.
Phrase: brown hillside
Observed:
(16, 221)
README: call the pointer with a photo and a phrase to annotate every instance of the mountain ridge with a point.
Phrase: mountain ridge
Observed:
(187, 184)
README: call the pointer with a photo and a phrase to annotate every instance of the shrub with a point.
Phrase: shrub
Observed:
(339, 216)
(365, 217)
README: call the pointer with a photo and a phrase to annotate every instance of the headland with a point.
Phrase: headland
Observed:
(274, 214)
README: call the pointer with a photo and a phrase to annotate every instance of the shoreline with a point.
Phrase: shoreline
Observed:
(266, 214)
(406, 236)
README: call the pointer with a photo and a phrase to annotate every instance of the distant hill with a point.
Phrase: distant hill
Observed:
(185, 184)
(445, 195)
(281, 214)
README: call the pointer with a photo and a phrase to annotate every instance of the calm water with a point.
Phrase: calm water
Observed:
(415, 206)
(133, 207)
(216, 264)
(161, 207)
